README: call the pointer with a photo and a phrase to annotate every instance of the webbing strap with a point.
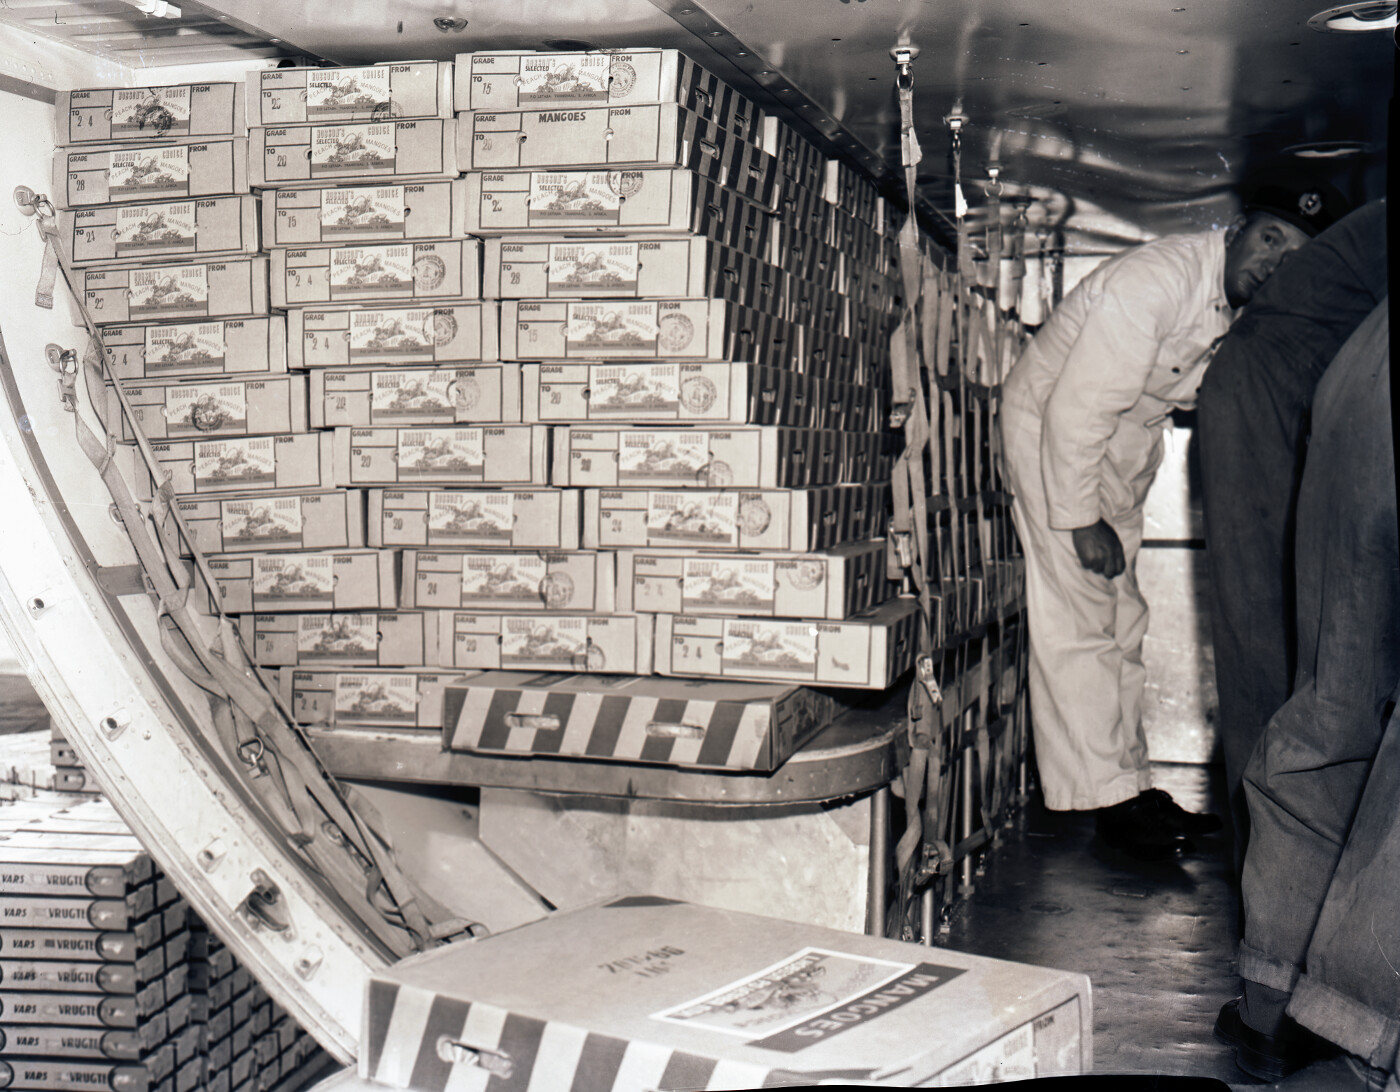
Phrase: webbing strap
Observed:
(910, 487)
(249, 718)
(48, 277)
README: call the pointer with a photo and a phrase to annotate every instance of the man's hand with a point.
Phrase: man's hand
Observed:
(1099, 549)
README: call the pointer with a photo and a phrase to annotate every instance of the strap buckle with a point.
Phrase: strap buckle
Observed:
(937, 860)
(65, 363)
(250, 753)
(904, 547)
(923, 667)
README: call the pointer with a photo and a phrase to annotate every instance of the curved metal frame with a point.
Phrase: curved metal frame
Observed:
(103, 684)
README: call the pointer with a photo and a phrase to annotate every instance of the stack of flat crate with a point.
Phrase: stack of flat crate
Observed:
(69, 773)
(249, 1041)
(93, 955)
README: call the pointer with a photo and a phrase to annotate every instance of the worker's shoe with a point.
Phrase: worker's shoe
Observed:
(1191, 823)
(1268, 1057)
(1140, 828)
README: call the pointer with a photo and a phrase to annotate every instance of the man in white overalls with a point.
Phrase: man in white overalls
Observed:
(1083, 414)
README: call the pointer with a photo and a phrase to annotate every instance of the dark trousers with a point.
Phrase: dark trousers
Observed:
(1321, 877)
(1253, 419)
(1252, 428)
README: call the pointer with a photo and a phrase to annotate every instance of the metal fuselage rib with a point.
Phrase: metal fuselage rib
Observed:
(94, 656)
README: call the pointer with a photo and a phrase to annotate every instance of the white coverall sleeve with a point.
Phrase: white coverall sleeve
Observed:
(1104, 376)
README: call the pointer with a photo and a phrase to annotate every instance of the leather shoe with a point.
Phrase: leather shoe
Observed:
(1139, 828)
(1268, 1057)
(1191, 823)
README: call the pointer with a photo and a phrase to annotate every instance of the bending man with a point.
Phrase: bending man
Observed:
(1083, 414)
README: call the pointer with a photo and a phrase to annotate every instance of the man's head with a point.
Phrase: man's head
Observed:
(1255, 246)
(1280, 215)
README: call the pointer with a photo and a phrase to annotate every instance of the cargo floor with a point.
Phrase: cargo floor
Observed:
(1157, 940)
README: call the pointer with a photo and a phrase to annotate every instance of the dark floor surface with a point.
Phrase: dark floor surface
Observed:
(1156, 940)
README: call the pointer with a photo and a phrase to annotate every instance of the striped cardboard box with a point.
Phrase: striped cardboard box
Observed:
(645, 992)
(733, 726)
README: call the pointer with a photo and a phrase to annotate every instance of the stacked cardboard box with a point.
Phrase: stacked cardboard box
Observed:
(440, 425)
(670, 285)
(93, 955)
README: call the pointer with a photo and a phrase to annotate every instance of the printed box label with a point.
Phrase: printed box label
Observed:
(729, 584)
(403, 396)
(575, 78)
(338, 90)
(647, 458)
(376, 698)
(382, 335)
(772, 648)
(262, 523)
(143, 227)
(249, 463)
(709, 520)
(162, 111)
(593, 197)
(809, 997)
(339, 149)
(376, 209)
(370, 271)
(623, 389)
(168, 290)
(598, 269)
(441, 453)
(325, 638)
(509, 577)
(612, 327)
(293, 580)
(486, 518)
(149, 170)
(200, 345)
(560, 642)
(195, 408)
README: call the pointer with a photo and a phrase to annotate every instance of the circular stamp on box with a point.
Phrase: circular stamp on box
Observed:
(557, 590)
(464, 393)
(675, 332)
(154, 116)
(206, 415)
(385, 111)
(806, 575)
(442, 327)
(429, 271)
(698, 394)
(720, 474)
(625, 183)
(622, 77)
(754, 516)
(593, 658)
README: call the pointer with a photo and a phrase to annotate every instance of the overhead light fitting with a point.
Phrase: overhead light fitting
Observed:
(158, 8)
(1370, 15)
(1329, 149)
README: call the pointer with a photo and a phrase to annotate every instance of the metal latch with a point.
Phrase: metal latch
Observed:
(497, 1062)
(263, 907)
(928, 679)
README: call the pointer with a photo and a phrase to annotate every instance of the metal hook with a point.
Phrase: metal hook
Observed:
(904, 61)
